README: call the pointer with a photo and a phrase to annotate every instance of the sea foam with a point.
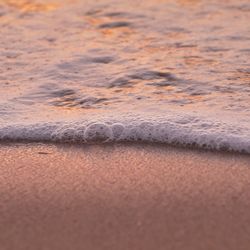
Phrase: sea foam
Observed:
(185, 130)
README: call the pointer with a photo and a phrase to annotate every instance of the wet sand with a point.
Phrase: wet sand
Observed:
(122, 197)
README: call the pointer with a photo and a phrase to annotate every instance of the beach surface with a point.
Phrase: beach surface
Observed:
(122, 197)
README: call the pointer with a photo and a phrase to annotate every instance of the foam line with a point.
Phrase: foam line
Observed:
(189, 131)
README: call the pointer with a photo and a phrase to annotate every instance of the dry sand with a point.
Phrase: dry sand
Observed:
(122, 197)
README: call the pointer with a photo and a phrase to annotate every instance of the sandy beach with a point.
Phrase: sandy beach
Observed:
(122, 197)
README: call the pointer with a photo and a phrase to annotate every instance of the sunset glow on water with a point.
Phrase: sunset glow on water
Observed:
(167, 71)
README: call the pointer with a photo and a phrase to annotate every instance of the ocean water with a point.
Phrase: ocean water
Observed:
(167, 71)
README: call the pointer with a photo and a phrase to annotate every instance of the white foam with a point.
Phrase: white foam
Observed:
(185, 130)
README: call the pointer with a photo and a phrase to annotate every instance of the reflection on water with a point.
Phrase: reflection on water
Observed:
(104, 56)
(29, 5)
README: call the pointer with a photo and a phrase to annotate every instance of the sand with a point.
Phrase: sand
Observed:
(122, 197)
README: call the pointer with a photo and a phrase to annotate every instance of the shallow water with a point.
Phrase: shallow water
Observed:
(152, 70)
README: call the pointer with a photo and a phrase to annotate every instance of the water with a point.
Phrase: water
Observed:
(176, 72)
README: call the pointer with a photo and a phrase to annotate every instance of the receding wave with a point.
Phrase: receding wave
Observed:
(183, 130)
(182, 73)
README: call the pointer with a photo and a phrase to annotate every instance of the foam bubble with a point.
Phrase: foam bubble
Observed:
(117, 129)
(98, 132)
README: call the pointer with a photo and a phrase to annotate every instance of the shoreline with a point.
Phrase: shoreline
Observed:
(79, 145)
(122, 197)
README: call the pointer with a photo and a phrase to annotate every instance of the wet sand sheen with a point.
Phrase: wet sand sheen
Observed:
(122, 197)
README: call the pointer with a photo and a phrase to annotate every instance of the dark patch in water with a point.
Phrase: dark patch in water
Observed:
(120, 82)
(87, 102)
(167, 79)
(178, 29)
(48, 86)
(47, 94)
(63, 92)
(123, 14)
(238, 38)
(77, 64)
(243, 7)
(66, 65)
(114, 25)
(181, 45)
(151, 75)
(115, 14)
(198, 93)
(92, 100)
(160, 84)
(50, 39)
(215, 49)
(104, 59)
(245, 50)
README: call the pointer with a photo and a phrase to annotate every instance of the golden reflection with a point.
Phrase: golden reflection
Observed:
(242, 76)
(189, 2)
(194, 61)
(30, 6)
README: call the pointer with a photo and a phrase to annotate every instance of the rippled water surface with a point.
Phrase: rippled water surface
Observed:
(183, 62)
